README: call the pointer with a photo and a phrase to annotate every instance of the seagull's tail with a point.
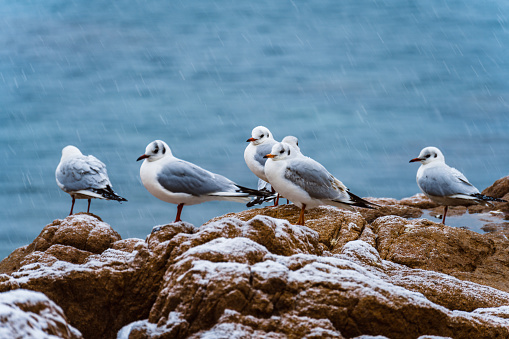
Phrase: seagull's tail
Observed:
(259, 196)
(108, 194)
(486, 199)
(261, 200)
(253, 192)
(357, 201)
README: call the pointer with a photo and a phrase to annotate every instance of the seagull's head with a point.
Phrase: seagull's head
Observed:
(280, 151)
(155, 150)
(428, 155)
(69, 151)
(259, 135)
(292, 141)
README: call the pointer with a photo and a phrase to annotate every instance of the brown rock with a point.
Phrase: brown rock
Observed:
(229, 285)
(81, 235)
(99, 293)
(389, 206)
(28, 314)
(499, 188)
(84, 233)
(346, 274)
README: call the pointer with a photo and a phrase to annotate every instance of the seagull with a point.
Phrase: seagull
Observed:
(83, 177)
(306, 182)
(182, 183)
(260, 143)
(446, 185)
(264, 185)
(292, 141)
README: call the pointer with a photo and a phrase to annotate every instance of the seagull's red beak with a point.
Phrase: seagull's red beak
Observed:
(415, 159)
(269, 156)
(144, 156)
(250, 139)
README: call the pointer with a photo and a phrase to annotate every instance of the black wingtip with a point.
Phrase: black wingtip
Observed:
(261, 200)
(487, 198)
(253, 192)
(359, 202)
(109, 194)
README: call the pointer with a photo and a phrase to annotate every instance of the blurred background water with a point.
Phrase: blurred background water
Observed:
(363, 84)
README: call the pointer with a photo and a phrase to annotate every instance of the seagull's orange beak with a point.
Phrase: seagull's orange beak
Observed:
(415, 159)
(144, 156)
(269, 155)
(250, 139)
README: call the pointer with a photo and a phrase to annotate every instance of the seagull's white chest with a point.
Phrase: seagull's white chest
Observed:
(148, 174)
(275, 171)
(250, 155)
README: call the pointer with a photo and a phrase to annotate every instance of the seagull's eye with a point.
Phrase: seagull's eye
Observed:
(261, 136)
(282, 151)
(427, 156)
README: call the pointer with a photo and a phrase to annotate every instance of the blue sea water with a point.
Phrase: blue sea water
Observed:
(363, 84)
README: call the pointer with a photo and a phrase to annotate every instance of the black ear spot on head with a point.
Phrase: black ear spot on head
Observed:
(164, 149)
(288, 152)
(435, 155)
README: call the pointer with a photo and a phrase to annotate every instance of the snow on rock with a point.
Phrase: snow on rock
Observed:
(221, 289)
(255, 274)
(28, 314)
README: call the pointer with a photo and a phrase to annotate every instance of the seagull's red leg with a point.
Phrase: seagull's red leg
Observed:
(445, 212)
(301, 217)
(72, 206)
(179, 210)
(88, 209)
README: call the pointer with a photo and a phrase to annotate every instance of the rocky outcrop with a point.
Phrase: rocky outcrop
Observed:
(28, 314)
(91, 288)
(255, 274)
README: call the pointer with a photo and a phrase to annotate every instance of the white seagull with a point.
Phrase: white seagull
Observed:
(260, 143)
(446, 185)
(182, 183)
(306, 182)
(264, 185)
(83, 177)
(290, 140)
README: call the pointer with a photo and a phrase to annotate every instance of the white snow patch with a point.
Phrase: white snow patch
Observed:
(239, 247)
(25, 324)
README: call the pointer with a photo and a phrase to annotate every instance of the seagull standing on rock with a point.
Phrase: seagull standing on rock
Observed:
(306, 182)
(182, 183)
(446, 185)
(260, 143)
(83, 177)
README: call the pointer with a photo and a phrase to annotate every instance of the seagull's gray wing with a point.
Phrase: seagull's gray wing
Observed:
(82, 173)
(313, 178)
(262, 150)
(184, 177)
(444, 181)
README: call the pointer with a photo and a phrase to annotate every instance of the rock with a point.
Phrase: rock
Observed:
(245, 289)
(458, 252)
(99, 293)
(499, 188)
(28, 314)
(347, 274)
(73, 240)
